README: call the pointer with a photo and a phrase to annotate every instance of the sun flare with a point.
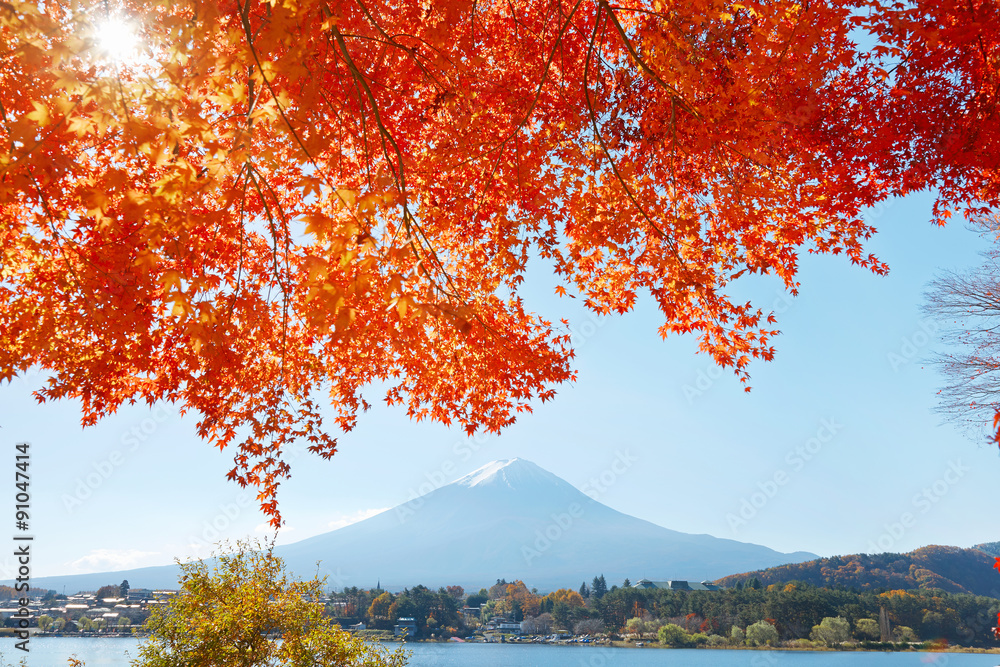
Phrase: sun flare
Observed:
(117, 40)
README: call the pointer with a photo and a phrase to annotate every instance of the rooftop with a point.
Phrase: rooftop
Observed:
(677, 585)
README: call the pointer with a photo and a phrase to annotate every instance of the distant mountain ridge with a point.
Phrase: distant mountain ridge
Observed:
(951, 569)
(509, 519)
(992, 548)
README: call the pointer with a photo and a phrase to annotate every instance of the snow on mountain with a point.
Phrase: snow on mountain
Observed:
(509, 519)
(512, 473)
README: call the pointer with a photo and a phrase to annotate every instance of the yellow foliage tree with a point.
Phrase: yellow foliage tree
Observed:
(244, 611)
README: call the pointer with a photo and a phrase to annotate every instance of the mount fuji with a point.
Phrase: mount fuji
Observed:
(509, 519)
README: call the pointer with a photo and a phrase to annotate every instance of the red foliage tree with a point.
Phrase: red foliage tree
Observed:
(278, 204)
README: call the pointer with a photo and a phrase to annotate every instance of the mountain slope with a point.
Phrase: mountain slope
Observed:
(512, 519)
(509, 519)
(992, 548)
(952, 569)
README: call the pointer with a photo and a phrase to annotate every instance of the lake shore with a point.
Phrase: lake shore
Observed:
(918, 648)
(620, 644)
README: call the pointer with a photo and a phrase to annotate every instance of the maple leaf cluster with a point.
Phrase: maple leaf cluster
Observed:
(276, 204)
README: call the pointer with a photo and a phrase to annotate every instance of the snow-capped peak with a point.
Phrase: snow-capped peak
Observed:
(512, 473)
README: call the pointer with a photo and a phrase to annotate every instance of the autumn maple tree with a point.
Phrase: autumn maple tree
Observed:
(272, 205)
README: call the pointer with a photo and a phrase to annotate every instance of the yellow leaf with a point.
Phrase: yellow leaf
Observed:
(40, 115)
(170, 279)
(347, 196)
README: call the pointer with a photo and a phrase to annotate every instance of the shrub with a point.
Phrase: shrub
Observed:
(673, 635)
(831, 631)
(867, 628)
(762, 633)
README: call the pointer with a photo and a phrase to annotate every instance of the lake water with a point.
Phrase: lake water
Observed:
(53, 651)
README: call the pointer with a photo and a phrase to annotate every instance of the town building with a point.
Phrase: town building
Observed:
(406, 624)
(677, 585)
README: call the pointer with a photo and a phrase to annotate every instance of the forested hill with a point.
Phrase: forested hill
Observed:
(992, 548)
(949, 568)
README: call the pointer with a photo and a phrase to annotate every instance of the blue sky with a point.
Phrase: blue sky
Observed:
(836, 450)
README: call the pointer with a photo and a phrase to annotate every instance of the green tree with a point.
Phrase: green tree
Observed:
(599, 587)
(478, 599)
(831, 631)
(934, 625)
(446, 610)
(762, 633)
(124, 588)
(489, 609)
(737, 636)
(420, 603)
(867, 628)
(45, 622)
(673, 635)
(561, 615)
(247, 612)
(635, 626)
